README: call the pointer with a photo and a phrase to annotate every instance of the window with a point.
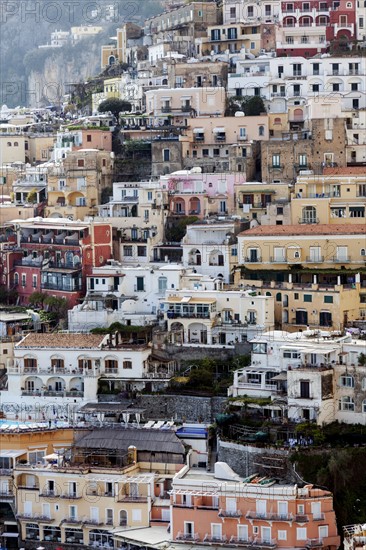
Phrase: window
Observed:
(259, 348)
(335, 87)
(303, 161)
(355, 104)
(243, 533)
(342, 253)
(305, 389)
(282, 535)
(261, 130)
(243, 133)
(141, 251)
(127, 364)
(289, 39)
(323, 531)
(346, 381)
(297, 69)
(166, 155)
(354, 86)
(34, 281)
(24, 280)
(140, 285)
(363, 252)
(364, 406)
(328, 299)
(127, 251)
(296, 90)
(80, 163)
(276, 161)
(309, 215)
(346, 404)
(308, 298)
(162, 284)
(301, 533)
(356, 211)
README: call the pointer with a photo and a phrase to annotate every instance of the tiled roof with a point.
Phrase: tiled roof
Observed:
(61, 340)
(344, 171)
(305, 229)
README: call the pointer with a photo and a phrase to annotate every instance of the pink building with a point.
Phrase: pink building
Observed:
(192, 193)
(212, 508)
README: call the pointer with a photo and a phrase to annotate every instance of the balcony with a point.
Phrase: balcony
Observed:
(6, 494)
(265, 543)
(131, 498)
(70, 496)
(314, 543)
(340, 259)
(308, 220)
(166, 109)
(241, 541)
(269, 516)
(73, 520)
(192, 537)
(274, 260)
(92, 521)
(48, 493)
(315, 259)
(230, 514)
(217, 539)
(252, 260)
(220, 138)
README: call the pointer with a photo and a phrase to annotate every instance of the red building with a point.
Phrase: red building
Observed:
(309, 27)
(54, 256)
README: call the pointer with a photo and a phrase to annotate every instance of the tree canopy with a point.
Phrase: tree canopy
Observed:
(114, 106)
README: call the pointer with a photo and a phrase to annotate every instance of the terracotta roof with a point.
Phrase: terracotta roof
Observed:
(306, 229)
(344, 171)
(61, 340)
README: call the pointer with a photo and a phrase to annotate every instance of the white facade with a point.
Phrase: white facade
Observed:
(125, 294)
(317, 376)
(242, 11)
(283, 78)
(211, 248)
(60, 372)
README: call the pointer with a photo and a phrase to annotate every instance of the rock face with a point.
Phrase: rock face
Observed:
(48, 85)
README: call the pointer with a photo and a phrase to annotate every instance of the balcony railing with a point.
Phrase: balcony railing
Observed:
(92, 521)
(230, 514)
(308, 220)
(269, 516)
(314, 543)
(71, 495)
(188, 536)
(315, 259)
(48, 493)
(212, 538)
(131, 498)
(241, 541)
(252, 260)
(72, 519)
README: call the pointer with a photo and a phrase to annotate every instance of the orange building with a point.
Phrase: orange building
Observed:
(226, 509)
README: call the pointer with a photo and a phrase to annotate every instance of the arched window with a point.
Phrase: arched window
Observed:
(16, 279)
(363, 251)
(363, 384)
(278, 297)
(277, 120)
(346, 381)
(16, 144)
(261, 130)
(364, 406)
(9, 144)
(111, 60)
(346, 403)
(123, 518)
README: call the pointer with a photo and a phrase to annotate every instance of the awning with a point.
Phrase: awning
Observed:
(218, 130)
(281, 376)
(10, 535)
(12, 454)
(198, 130)
(149, 535)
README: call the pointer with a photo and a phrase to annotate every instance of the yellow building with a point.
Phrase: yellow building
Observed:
(75, 187)
(315, 272)
(338, 196)
(101, 486)
(38, 147)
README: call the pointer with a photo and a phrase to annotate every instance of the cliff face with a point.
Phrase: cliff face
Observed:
(48, 84)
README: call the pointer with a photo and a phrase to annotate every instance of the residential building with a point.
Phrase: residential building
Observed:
(54, 255)
(324, 145)
(138, 211)
(223, 508)
(210, 246)
(192, 192)
(336, 197)
(187, 22)
(179, 104)
(75, 185)
(121, 491)
(292, 262)
(126, 294)
(207, 314)
(87, 31)
(64, 371)
(254, 200)
(31, 182)
(224, 144)
(231, 39)
(241, 11)
(310, 375)
(118, 52)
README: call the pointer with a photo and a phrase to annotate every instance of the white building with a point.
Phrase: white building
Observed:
(60, 372)
(210, 247)
(313, 375)
(126, 294)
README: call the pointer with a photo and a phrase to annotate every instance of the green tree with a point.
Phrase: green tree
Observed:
(57, 306)
(37, 299)
(32, 196)
(114, 106)
(253, 106)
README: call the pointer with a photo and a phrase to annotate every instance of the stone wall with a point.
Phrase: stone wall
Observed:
(182, 408)
(246, 460)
